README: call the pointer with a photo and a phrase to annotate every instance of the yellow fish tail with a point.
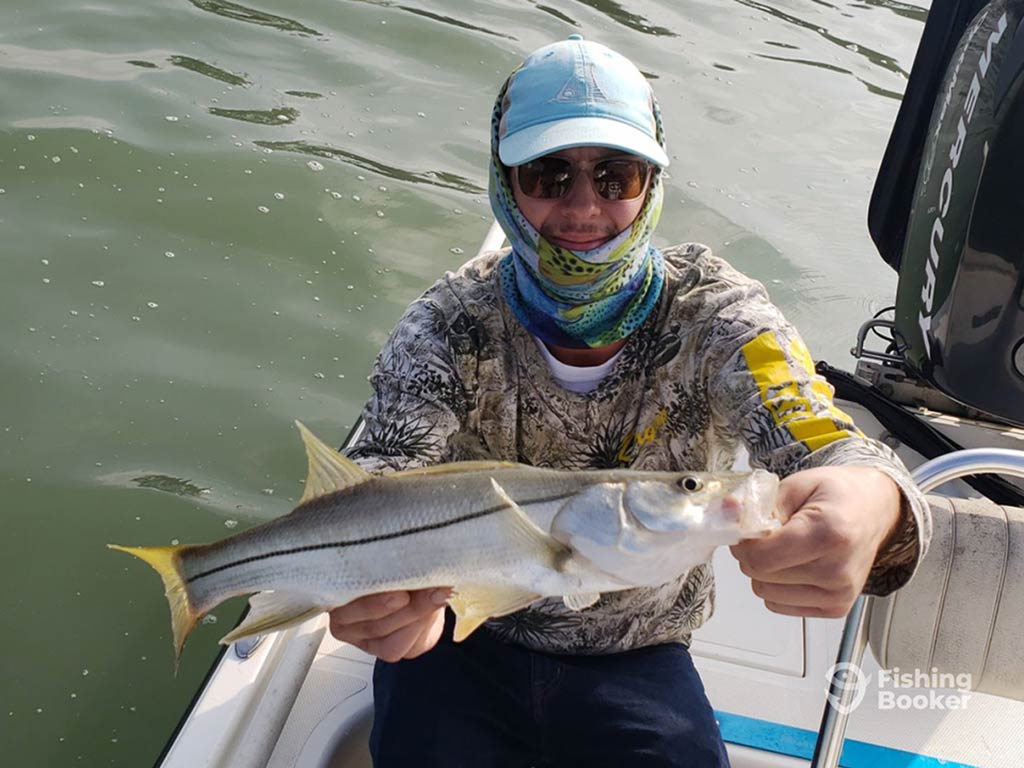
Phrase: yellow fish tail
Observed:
(166, 561)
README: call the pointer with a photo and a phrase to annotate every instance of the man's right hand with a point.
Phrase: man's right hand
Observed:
(392, 625)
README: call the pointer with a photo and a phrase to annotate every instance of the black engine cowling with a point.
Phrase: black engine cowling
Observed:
(960, 299)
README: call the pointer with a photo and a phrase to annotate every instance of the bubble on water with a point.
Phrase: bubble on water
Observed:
(457, 211)
(336, 195)
(692, 184)
(175, 542)
(318, 375)
(456, 250)
(350, 287)
(74, 149)
(98, 283)
(421, 114)
(45, 262)
(230, 523)
(313, 165)
(279, 195)
(380, 214)
(248, 172)
(39, 710)
(267, 491)
(209, 619)
(152, 304)
(169, 254)
(74, 695)
(46, 281)
(85, 672)
(31, 137)
(55, 159)
(171, 118)
(356, 198)
(382, 188)
(3, 191)
(263, 209)
(136, 318)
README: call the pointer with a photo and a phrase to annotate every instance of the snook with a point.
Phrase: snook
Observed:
(504, 535)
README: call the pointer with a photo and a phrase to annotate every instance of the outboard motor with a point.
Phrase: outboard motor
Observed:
(957, 237)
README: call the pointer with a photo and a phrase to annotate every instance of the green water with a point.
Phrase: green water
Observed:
(212, 213)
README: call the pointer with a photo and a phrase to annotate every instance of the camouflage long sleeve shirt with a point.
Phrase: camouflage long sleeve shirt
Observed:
(716, 366)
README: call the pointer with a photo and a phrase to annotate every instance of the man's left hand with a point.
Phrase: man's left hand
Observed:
(836, 519)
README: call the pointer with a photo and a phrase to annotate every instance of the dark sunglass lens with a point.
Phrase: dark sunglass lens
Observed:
(545, 177)
(620, 179)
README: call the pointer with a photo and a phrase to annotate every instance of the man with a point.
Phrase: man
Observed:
(582, 347)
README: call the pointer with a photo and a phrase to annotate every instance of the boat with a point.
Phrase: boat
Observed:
(932, 675)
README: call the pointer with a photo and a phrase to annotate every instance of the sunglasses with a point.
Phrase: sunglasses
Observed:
(615, 178)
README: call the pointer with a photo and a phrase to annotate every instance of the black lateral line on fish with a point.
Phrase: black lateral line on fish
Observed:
(372, 539)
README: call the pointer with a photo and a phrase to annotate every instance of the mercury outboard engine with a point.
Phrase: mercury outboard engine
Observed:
(956, 234)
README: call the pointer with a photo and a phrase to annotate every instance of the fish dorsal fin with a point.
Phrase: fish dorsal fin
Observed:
(457, 466)
(329, 471)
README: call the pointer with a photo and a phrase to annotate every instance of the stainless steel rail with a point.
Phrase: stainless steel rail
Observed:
(845, 684)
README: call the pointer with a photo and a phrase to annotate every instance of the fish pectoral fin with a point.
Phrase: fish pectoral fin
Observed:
(581, 600)
(271, 611)
(523, 527)
(474, 605)
(329, 471)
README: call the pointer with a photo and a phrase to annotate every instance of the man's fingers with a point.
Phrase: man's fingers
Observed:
(794, 492)
(369, 608)
(803, 595)
(809, 613)
(428, 637)
(797, 543)
(820, 572)
(395, 646)
(421, 605)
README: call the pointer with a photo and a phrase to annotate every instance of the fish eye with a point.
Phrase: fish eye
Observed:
(691, 484)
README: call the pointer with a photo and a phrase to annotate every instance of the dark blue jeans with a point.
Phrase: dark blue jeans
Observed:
(484, 703)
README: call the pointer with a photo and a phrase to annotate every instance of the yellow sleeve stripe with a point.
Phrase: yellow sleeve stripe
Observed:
(781, 396)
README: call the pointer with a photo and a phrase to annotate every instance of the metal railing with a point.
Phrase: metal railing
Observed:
(844, 686)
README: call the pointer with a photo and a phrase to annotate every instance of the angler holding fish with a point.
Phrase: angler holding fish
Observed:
(582, 347)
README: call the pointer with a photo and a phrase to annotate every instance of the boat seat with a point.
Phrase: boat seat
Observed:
(963, 611)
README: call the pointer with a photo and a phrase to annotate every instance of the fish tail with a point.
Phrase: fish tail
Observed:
(167, 562)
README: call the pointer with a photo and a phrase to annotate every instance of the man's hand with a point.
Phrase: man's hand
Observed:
(836, 519)
(392, 625)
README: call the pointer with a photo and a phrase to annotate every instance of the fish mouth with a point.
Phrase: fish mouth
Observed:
(757, 503)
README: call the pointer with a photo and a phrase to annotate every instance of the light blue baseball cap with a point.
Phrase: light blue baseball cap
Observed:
(577, 93)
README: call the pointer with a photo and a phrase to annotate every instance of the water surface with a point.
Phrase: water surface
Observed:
(213, 212)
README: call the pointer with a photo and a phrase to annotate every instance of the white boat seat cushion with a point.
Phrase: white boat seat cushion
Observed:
(963, 611)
